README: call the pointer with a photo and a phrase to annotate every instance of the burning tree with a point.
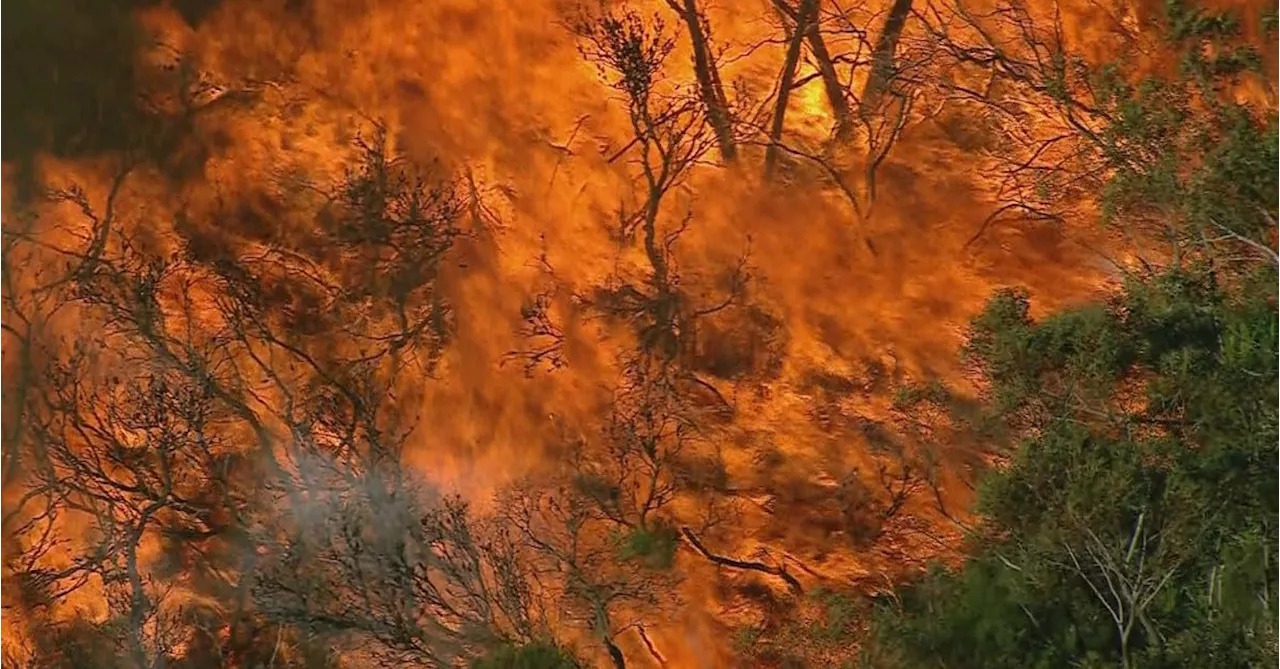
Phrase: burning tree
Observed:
(260, 443)
(1150, 150)
(873, 88)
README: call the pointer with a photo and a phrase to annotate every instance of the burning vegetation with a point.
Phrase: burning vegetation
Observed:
(545, 334)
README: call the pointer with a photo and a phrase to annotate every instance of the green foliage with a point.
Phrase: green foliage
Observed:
(534, 655)
(654, 547)
(1019, 355)
(1181, 153)
(839, 613)
(820, 631)
(912, 395)
(1212, 175)
(1270, 19)
(1187, 22)
(745, 638)
(1147, 453)
(1135, 523)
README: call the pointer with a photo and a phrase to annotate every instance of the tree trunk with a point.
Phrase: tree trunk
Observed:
(751, 565)
(826, 67)
(830, 82)
(882, 56)
(803, 17)
(709, 86)
(615, 654)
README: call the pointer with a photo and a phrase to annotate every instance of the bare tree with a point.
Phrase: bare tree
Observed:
(1045, 155)
(803, 17)
(669, 128)
(898, 73)
(707, 72)
(582, 565)
(882, 56)
(541, 339)
(1064, 129)
(33, 298)
(825, 65)
(1125, 574)
(608, 531)
(295, 344)
(377, 563)
(840, 52)
(669, 138)
(635, 475)
(135, 460)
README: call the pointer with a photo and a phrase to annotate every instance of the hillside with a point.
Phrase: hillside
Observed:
(780, 333)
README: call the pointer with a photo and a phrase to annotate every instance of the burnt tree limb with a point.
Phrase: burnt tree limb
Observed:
(749, 565)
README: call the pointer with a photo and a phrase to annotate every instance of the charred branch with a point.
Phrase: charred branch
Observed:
(748, 565)
(805, 15)
(882, 56)
(710, 88)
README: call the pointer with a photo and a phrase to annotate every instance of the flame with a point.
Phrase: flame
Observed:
(497, 90)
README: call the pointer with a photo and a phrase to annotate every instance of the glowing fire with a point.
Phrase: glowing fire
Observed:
(499, 96)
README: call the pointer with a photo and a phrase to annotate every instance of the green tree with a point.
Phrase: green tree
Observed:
(534, 655)
(1172, 157)
(1135, 524)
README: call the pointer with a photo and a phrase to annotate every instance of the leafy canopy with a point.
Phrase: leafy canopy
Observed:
(1145, 462)
(1135, 523)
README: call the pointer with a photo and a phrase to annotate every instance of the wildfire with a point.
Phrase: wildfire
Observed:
(850, 271)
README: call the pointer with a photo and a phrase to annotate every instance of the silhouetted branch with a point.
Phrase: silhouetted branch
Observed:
(749, 565)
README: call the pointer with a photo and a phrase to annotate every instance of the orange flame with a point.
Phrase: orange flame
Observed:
(498, 91)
